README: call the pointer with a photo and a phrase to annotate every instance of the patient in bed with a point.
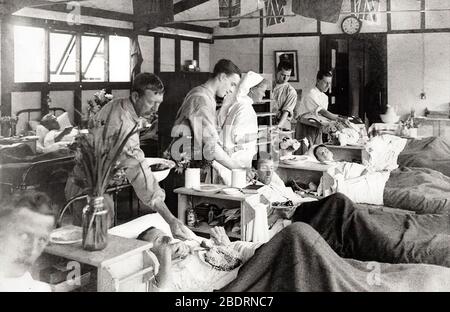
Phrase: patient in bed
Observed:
(295, 259)
(60, 132)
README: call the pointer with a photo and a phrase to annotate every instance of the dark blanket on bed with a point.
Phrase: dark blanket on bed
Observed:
(377, 235)
(299, 259)
(430, 152)
(418, 189)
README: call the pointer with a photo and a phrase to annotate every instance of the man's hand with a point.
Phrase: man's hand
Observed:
(181, 231)
(65, 132)
(219, 236)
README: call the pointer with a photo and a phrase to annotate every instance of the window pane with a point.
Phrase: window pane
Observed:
(92, 58)
(62, 57)
(119, 58)
(29, 54)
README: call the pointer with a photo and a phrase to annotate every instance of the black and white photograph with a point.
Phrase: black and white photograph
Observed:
(232, 149)
(291, 57)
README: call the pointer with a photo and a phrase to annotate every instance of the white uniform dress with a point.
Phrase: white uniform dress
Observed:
(239, 127)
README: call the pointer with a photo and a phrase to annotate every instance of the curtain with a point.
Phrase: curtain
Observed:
(136, 58)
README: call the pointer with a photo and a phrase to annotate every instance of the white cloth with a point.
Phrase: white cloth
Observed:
(354, 181)
(239, 127)
(255, 219)
(313, 102)
(381, 152)
(49, 138)
(24, 283)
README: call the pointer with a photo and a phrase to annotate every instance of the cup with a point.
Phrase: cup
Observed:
(192, 178)
(238, 178)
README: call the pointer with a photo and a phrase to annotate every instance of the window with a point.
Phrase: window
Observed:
(62, 57)
(119, 58)
(92, 58)
(29, 54)
(71, 57)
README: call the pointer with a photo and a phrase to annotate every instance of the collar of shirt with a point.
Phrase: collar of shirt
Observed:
(209, 92)
(127, 105)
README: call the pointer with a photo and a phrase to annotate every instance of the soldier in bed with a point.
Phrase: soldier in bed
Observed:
(295, 259)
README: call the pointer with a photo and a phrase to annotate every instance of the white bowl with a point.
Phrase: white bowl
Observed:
(160, 175)
(389, 118)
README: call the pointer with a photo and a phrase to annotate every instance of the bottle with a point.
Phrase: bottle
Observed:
(191, 218)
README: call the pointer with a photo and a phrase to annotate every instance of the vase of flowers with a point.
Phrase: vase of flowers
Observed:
(409, 127)
(97, 151)
(194, 170)
(288, 146)
(101, 98)
(95, 224)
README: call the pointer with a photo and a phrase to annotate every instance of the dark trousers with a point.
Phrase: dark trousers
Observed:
(374, 235)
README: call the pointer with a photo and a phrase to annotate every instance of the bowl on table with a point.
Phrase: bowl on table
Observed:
(160, 167)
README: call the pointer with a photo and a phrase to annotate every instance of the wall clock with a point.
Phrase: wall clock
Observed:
(351, 25)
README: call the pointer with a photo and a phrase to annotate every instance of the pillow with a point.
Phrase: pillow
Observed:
(32, 124)
(133, 228)
(41, 132)
(64, 121)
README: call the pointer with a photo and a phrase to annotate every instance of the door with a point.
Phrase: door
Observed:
(359, 66)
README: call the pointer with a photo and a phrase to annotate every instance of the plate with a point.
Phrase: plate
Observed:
(208, 188)
(231, 191)
(294, 159)
(66, 235)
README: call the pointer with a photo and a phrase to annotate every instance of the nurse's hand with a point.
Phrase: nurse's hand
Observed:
(181, 231)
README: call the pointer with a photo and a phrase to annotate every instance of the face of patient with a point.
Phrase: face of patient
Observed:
(50, 122)
(159, 239)
(323, 154)
(23, 236)
(265, 171)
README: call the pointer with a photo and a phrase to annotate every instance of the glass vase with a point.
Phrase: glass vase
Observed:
(95, 225)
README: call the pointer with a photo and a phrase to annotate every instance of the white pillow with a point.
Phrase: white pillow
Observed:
(41, 132)
(64, 121)
(133, 228)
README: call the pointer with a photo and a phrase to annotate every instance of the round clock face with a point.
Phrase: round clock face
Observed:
(351, 25)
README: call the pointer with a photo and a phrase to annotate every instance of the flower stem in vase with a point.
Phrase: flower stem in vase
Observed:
(95, 225)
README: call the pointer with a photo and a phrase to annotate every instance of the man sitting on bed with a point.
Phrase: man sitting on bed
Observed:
(295, 259)
(26, 222)
(56, 135)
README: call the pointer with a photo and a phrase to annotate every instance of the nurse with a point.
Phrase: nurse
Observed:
(146, 96)
(239, 125)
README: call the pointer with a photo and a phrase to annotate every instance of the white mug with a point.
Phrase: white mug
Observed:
(192, 178)
(238, 178)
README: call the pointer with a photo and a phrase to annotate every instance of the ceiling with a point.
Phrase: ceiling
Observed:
(184, 10)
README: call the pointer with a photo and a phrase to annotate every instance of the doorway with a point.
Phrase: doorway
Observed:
(359, 66)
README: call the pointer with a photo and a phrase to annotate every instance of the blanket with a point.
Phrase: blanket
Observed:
(299, 259)
(418, 189)
(431, 152)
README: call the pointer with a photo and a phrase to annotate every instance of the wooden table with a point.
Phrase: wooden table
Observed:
(123, 265)
(185, 196)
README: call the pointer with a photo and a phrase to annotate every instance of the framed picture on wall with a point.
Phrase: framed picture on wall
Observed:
(290, 56)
